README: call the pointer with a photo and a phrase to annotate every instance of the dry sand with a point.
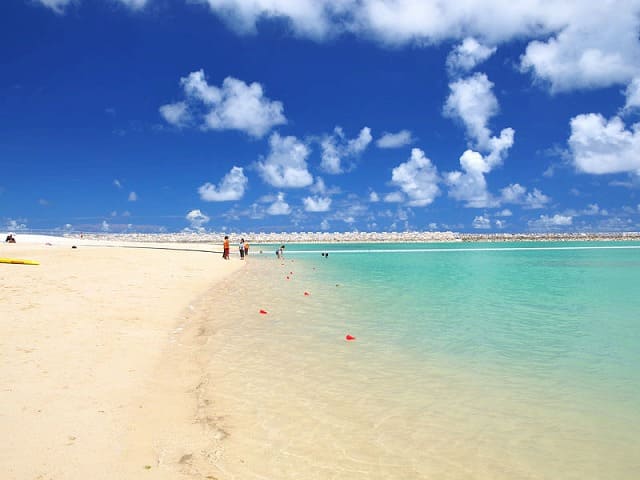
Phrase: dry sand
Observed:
(88, 388)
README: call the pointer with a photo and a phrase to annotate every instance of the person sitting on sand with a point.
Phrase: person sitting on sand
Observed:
(10, 238)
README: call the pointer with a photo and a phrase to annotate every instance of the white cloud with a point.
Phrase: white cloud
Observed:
(325, 225)
(336, 147)
(134, 4)
(233, 106)
(133, 196)
(286, 165)
(467, 55)
(308, 18)
(57, 6)
(501, 224)
(481, 222)
(472, 101)
(504, 213)
(105, 227)
(318, 186)
(516, 193)
(117, 183)
(601, 146)
(598, 47)
(417, 178)
(317, 204)
(395, 140)
(279, 207)
(545, 221)
(197, 219)
(594, 209)
(394, 197)
(231, 187)
(176, 114)
(588, 44)
(16, 225)
(470, 185)
(633, 95)
(374, 197)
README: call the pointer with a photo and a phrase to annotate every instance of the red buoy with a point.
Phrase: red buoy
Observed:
(349, 337)
(263, 312)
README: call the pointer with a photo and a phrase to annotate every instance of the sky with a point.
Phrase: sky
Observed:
(319, 115)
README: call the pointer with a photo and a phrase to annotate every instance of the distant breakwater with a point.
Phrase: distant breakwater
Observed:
(359, 237)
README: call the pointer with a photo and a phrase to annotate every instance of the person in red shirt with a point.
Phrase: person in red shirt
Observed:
(225, 248)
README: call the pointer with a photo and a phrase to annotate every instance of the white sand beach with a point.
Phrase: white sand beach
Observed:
(81, 338)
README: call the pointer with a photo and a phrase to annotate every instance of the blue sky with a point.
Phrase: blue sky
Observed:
(312, 115)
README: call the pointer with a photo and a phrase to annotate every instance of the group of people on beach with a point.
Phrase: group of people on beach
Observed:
(243, 246)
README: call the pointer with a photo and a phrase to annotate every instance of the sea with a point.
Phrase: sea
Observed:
(464, 361)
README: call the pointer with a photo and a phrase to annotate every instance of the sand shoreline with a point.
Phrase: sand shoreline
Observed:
(82, 336)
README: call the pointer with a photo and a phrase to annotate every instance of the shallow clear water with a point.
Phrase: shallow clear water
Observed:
(470, 361)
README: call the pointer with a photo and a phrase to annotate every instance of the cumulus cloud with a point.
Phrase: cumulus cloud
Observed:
(231, 187)
(395, 140)
(632, 95)
(594, 209)
(470, 185)
(472, 101)
(14, 225)
(417, 178)
(550, 223)
(58, 6)
(516, 193)
(600, 146)
(307, 18)
(233, 106)
(481, 222)
(374, 197)
(176, 114)
(286, 164)
(336, 148)
(197, 219)
(588, 44)
(467, 55)
(135, 4)
(117, 183)
(133, 197)
(279, 206)
(598, 47)
(394, 197)
(317, 204)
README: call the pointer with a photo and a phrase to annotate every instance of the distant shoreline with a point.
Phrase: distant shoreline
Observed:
(360, 237)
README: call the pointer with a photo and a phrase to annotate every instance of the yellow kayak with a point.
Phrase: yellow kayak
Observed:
(17, 261)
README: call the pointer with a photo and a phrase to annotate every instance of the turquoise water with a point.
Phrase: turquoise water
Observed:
(470, 360)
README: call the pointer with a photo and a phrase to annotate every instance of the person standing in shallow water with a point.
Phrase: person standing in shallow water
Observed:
(241, 248)
(246, 248)
(225, 248)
